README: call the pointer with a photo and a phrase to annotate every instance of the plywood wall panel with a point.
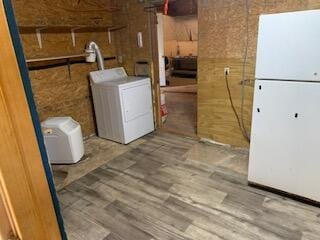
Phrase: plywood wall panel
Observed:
(222, 37)
(60, 12)
(177, 33)
(30, 12)
(55, 94)
(136, 18)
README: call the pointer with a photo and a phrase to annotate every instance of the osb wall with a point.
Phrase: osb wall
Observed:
(136, 19)
(55, 93)
(177, 33)
(221, 44)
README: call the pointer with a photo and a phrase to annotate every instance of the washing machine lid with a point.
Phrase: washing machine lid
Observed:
(124, 82)
(107, 75)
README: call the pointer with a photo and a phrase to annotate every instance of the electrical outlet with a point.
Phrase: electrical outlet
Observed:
(226, 71)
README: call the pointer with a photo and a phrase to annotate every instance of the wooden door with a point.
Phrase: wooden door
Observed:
(6, 228)
(22, 178)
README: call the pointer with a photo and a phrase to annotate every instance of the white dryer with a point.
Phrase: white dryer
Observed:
(123, 105)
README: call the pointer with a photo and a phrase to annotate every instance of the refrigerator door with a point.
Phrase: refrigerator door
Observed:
(285, 141)
(288, 46)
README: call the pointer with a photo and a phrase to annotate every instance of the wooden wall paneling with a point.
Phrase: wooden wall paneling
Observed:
(136, 18)
(23, 180)
(221, 44)
(60, 12)
(176, 32)
(55, 93)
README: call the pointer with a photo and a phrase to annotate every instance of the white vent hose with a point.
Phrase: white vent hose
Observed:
(94, 54)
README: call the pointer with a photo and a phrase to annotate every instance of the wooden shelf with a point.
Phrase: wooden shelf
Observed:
(39, 29)
(77, 28)
(58, 61)
(32, 60)
(54, 58)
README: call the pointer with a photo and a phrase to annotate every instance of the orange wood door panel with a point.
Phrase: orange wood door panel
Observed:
(22, 177)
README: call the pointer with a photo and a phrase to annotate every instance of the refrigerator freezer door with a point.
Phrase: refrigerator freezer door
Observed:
(285, 141)
(288, 46)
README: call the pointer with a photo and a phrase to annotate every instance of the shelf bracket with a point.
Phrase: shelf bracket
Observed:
(69, 69)
(109, 36)
(73, 36)
(39, 38)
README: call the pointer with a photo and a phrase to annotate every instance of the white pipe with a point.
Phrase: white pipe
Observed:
(95, 54)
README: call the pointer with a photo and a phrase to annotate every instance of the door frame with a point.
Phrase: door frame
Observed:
(153, 35)
(161, 53)
(33, 205)
(156, 76)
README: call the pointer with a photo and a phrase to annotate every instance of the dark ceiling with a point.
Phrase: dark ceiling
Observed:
(178, 7)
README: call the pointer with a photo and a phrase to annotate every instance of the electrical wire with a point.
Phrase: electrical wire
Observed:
(232, 104)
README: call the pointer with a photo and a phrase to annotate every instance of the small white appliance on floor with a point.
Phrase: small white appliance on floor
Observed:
(63, 140)
(285, 138)
(123, 105)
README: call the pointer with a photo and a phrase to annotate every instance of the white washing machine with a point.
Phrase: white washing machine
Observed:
(123, 105)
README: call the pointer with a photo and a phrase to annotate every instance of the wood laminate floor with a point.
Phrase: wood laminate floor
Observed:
(98, 151)
(170, 187)
(182, 112)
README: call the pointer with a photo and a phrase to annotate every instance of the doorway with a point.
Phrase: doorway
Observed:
(177, 51)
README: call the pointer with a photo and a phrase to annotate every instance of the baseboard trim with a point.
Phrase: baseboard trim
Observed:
(285, 194)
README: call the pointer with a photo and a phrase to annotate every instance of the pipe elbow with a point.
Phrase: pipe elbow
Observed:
(93, 47)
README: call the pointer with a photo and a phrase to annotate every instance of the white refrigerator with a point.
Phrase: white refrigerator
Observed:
(285, 136)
